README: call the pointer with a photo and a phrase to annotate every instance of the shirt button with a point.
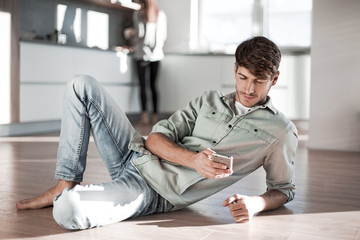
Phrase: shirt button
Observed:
(255, 130)
(214, 141)
(213, 112)
(230, 126)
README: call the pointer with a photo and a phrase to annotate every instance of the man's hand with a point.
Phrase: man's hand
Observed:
(241, 207)
(161, 146)
(203, 164)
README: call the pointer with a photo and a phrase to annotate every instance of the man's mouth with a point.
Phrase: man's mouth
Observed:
(248, 97)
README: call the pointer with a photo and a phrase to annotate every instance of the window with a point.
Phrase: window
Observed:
(223, 25)
(98, 30)
(97, 26)
(69, 21)
(289, 22)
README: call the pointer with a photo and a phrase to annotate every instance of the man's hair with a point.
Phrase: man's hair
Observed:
(259, 55)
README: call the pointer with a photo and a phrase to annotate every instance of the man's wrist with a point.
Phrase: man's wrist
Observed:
(258, 204)
(189, 158)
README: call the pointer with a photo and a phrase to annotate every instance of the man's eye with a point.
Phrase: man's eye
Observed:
(260, 82)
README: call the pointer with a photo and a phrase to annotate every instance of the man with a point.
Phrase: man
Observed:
(173, 168)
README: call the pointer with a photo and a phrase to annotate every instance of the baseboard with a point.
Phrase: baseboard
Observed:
(50, 126)
(29, 128)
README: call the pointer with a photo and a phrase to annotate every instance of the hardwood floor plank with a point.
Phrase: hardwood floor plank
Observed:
(358, 235)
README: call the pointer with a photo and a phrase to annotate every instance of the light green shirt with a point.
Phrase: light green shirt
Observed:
(261, 137)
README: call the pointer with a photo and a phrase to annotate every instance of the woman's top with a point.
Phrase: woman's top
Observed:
(150, 37)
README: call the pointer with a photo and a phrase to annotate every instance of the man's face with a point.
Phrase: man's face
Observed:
(250, 90)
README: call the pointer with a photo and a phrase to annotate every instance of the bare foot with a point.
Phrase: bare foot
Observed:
(46, 198)
(154, 119)
(144, 118)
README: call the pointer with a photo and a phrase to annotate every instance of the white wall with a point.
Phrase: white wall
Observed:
(184, 77)
(178, 16)
(335, 83)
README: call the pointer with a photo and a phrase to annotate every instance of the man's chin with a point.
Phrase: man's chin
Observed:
(247, 103)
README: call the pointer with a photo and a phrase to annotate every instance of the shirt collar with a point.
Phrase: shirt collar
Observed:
(230, 99)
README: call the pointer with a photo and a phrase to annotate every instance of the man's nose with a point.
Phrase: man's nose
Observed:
(249, 88)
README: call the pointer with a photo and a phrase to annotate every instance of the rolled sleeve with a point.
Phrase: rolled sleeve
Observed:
(279, 166)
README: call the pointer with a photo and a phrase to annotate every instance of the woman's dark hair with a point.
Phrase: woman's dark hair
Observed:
(149, 9)
(259, 55)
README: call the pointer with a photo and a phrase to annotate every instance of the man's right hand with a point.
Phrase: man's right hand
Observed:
(161, 146)
(203, 164)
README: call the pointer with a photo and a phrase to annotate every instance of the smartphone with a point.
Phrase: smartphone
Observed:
(228, 161)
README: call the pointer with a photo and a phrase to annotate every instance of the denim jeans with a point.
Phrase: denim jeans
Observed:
(87, 107)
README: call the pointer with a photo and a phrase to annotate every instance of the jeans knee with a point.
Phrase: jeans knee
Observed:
(67, 211)
(82, 84)
(82, 81)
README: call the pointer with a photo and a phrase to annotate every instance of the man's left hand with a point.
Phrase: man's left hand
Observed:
(241, 207)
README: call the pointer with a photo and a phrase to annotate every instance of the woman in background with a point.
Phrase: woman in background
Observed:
(150, 24)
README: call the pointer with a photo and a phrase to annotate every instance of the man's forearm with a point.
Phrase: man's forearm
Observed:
(269, 200)
(243, 207)
(161, 146)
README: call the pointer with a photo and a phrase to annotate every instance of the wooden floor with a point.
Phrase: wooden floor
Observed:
(326, 205)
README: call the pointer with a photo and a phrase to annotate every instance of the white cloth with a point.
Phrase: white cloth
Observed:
(241, 109)
(150, 37)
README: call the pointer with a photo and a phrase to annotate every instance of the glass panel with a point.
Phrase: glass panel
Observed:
(98, 30)
(223, 25)
(289, 22)
(68, 21)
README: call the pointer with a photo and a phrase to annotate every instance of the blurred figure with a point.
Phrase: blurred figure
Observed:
(150, 26)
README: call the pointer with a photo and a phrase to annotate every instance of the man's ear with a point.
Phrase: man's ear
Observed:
(276, 76)
(235, 69)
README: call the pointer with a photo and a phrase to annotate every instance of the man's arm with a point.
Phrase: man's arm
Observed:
(279, 167)
(243, 208)
(163, 147)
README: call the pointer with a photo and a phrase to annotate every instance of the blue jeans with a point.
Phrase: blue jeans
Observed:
(87, 107)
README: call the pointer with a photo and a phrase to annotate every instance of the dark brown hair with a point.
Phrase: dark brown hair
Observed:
(259, 55)
(149, 10)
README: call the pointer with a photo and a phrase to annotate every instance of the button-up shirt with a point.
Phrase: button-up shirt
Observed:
(261, 137)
